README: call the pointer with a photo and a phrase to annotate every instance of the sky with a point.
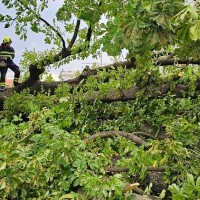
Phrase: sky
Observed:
(36, 41)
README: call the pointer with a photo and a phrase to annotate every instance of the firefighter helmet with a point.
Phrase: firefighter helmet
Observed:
(7, 40)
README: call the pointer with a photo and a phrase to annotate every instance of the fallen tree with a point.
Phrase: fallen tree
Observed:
(112, 95)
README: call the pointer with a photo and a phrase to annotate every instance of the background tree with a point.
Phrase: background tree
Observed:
(138, 27)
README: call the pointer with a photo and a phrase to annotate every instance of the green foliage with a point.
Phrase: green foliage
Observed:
(187, 21)
(45, 161)
(184, 131)
(174, 156)
(190, 189)
(26, 103)
(43, 153)
(142, 26)
(137, 26)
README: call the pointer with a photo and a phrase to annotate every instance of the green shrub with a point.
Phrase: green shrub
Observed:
(189, 190)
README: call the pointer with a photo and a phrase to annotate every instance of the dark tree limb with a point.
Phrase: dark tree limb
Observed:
(73, 39)
(131, 64)
(171, 61)
(158, 92)
(144, 134)
(88, 36)
(89, 72)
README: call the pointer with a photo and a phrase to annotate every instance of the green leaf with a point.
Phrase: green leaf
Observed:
(162, 194)
(3, 166)
(119, 176)
(183, 33)
(195, 31)
(1, 17)
(161, 19)
(68, 196)
(193, 12)
(76, 182)
(198, 182)
(77, 163)
(3, 185)
(190, 179)
(7, 25)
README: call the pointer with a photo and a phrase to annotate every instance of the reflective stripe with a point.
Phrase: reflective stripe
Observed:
(16, 79)
(7, 54)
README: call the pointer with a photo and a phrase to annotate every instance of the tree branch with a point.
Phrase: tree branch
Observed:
(115, 95)
(125, 169)
(171, 61)
(88, 35)
(105, 134)
(65, 52)
(75, 34)
(56, 31)
(87, 39)
(48, 24)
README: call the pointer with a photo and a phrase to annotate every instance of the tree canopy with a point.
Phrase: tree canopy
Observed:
(119, 131)
(138, 27)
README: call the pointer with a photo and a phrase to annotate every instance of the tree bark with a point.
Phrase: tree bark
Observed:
(130, 136)
(125, 169)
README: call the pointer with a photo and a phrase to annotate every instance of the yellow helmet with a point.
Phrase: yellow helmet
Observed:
(7, 40)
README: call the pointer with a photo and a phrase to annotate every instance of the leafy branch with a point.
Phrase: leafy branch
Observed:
(47, 23)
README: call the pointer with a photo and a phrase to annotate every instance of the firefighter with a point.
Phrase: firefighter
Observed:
(8, 53)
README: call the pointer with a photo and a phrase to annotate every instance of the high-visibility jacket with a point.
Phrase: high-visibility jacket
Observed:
(7, 52)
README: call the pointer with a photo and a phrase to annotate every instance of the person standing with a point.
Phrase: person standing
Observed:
(8, 53)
